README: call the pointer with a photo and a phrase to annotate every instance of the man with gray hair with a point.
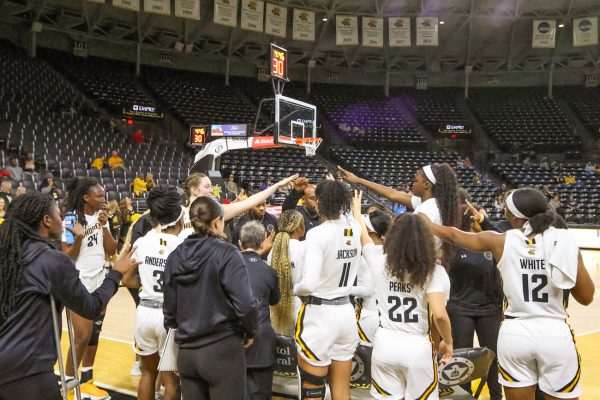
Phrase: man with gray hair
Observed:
(260, 357)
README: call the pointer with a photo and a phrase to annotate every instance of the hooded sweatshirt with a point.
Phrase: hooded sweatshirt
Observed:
(27, 337)
(207, 293)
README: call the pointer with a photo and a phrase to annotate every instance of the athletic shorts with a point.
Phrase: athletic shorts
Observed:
(92, 283)
(403, 366)
(367, 326)
(539, 351)
(150, 333)
(325, 333)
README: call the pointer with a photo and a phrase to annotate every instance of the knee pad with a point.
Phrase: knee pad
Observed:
(310, 393)
(96, 330)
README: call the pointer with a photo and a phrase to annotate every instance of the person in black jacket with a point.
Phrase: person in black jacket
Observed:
(260, 357)
(32, 270)
(305, 191)
(208, 299)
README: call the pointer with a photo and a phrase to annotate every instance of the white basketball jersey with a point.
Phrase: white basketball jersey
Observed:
(528, 292)
(296, 251)
(153, 250)
(91, 259)
(430, 208)
(335, 247)
(369, 304)
(187, 224)
(402, 306)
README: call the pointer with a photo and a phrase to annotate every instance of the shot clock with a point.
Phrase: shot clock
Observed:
(279, 63)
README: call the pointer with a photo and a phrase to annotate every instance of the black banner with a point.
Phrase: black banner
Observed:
(139, 111)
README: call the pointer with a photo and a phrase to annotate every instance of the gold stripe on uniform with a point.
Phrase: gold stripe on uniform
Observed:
(163, 242)
(569, 387)
(348, 232)
(505, 374)
(299, 329)
(358, 310)
(433, 385)
(379, 389)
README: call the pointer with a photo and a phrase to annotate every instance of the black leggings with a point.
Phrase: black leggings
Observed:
(42, 386)
(259, 383)
(487, 328)
(216, 371)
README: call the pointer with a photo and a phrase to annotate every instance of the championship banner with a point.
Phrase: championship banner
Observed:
(427, 31)
(133, 5)
(585, 31)
(399, 31)
(96, 1)
(226, 12)
(303, 25)
(372, 32)
(346, 30)
(253, 15)
(187, 9)
(162, 7)
(276, 20)
(544, 33)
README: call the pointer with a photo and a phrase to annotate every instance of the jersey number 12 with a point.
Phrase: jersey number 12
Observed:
(542, 281)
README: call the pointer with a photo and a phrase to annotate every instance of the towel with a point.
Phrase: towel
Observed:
(562, 257)
(169, 353)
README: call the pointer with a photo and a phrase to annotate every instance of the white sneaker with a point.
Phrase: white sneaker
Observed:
(135, 369)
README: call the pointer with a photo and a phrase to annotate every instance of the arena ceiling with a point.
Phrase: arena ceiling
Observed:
(489, 35)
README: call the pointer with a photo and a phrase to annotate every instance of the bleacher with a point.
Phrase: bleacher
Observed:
(585, 103)
(524, 119)
(397, 169)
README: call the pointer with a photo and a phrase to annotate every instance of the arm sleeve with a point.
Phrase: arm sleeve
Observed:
(170, 295)
(313, 263)
(291, 201)
(236, 283)
(364, 285)
(68, 289)
(275, 295)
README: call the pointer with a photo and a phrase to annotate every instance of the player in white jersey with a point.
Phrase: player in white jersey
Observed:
(287, 258)
(152, 251)
(92, 243)
(199, 185)
(540, 266)
(367, 315)
(434, 193)
(411, 291)
(331, 265)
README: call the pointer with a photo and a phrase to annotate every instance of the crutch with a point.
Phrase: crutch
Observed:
(73, 383)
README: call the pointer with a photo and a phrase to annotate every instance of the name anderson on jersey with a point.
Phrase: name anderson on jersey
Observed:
(155, 261)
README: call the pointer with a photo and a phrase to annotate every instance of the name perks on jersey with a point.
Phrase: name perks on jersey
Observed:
(400, 287)
(532, 264)
(345, 254)
(155, 261)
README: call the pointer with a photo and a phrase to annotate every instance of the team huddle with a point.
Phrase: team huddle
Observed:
(332, 277)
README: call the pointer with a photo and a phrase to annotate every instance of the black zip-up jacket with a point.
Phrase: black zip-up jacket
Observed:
(290, 203)
(207, 293)
(27, 336)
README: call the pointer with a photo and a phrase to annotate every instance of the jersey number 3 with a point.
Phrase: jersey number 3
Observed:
(395, 303)
(158, 288)
(542, 281)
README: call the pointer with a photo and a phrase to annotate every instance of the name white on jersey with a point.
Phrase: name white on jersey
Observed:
(91, 259)
(402, 306)
(528, 292)
(153, 250)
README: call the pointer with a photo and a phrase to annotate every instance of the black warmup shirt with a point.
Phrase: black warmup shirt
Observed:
(265, 287)
(290, 203)
(475, 283)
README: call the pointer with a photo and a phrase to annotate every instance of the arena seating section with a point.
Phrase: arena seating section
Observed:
(586, 191)
(397, 169)
(524, 119)
(63, 142)
(41, 111)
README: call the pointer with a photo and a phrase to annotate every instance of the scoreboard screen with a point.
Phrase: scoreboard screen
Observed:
(279, 66)
(197, 135)
(228, 130)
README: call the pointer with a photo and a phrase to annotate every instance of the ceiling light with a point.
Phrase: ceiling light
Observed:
(325, 19)
(561, 25)
(442, 22)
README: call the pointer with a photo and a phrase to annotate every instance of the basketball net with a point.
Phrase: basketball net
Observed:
(310, 145)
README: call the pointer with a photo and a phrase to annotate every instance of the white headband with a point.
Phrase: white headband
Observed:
(429, 174)
(368, 223)
(170, 224)
(511, 206)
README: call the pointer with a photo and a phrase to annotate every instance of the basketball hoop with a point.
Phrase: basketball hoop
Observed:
(310, 145)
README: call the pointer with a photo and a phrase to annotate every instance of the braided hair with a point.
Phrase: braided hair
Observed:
(445, 192)
(23, 218)
(334, 199)
(289, 221)
(75, 191)
(163, 202)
